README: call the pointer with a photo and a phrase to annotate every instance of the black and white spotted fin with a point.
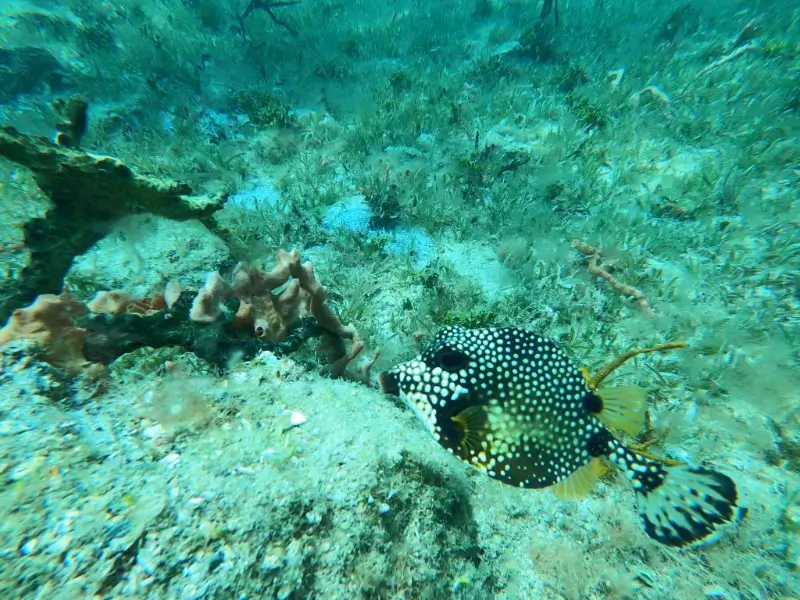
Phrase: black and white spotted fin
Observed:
(680, 506)
(691, 507)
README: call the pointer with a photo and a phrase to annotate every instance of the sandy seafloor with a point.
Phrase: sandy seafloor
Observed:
(663, 133)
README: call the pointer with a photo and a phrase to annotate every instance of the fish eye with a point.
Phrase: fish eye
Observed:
(451, 360)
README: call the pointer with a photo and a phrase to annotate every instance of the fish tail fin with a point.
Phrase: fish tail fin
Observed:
(681, 505)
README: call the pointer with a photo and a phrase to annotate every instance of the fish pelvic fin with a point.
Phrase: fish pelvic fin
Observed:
(680, 506)
(578, 485)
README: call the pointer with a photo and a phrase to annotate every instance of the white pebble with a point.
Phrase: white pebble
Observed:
(172, 459)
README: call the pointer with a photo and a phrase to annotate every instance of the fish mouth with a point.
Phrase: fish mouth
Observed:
(389, 383)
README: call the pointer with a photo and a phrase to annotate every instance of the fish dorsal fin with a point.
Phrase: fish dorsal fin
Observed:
(624, 408)
(578, 485)
(472, 421)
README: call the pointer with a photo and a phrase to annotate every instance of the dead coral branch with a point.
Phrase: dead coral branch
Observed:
(604, 372)
(730, 56)
(595, 268)
(267, 7)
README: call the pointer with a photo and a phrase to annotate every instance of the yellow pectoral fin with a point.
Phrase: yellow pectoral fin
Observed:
(472, 424)
(624, 408)
(580, 483)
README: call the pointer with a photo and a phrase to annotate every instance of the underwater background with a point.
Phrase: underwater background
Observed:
(190, 410)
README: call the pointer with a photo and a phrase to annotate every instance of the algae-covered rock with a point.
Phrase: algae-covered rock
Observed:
(88, 193)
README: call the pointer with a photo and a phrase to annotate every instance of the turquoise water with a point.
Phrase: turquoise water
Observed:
(191, 409)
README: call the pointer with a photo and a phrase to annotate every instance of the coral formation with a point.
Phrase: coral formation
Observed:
(268, 315)
(222, 323)
(49, 323)
(261, 107)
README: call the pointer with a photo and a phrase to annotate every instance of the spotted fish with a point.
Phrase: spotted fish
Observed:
(513, 405)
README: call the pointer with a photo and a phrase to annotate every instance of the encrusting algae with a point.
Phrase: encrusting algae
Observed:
(512, 405)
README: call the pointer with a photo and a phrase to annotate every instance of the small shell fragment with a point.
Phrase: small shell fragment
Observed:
(154, 431)
(289, 419)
